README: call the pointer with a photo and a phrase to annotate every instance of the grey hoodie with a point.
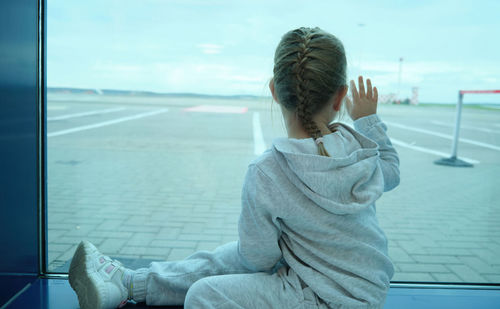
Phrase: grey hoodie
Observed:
(316, 214)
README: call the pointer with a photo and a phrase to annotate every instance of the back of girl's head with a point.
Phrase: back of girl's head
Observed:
(309, 69)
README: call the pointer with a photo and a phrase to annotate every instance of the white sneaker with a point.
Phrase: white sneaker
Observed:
(96, 279)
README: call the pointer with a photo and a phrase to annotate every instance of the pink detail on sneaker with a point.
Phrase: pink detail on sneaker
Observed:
(109, 268)
(102, 260)
(123, 303)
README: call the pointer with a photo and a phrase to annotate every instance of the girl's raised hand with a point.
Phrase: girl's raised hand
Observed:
(364, 103)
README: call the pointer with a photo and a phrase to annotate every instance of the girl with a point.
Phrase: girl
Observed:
(308, 233)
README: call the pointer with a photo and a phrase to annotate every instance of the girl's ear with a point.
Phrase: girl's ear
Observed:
(271, 87)
(339, 98)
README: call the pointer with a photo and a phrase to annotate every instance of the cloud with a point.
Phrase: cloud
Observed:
(413, 67)
(208, 48)
(178, 76)
(491, 80)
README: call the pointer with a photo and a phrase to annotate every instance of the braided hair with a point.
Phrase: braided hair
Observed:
(309, 69)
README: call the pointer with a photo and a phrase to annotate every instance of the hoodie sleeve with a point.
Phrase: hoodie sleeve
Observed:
(259, 232)
(373, 128)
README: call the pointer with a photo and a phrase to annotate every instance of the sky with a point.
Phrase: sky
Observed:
(227, 47)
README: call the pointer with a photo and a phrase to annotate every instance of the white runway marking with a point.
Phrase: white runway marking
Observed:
(259, 146)
(107, 123)
(427, 150)
(463, 140)
(96, 112)
(53, 107)
(465, 127)
(217, 109)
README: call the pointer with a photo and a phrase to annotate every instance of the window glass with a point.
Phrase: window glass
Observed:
(156, 108)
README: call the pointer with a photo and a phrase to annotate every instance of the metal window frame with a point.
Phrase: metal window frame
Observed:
(42, 137)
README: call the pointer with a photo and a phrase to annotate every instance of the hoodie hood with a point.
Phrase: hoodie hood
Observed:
(346, 182)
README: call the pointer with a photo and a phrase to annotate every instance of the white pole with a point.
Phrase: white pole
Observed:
(454, 146)
(399, 78)
(453, 160)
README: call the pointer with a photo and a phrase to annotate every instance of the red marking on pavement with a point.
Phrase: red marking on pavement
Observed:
(217, 109)
(479, 91)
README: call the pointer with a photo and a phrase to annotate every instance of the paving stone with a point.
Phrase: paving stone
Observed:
(53, 235)
(396, 235)
(59, 247)
(68, 254)
(141, 251)
(138, 220)
(193, 228)
(168, 233)
(221, 231)
(449, 251)
(208, 245)
(399, 255)
(140, 228)
(111, 234)
(200, 237)
(425, 268)
(492, 278)
(478, 265)
(79, 219)
(411, 247)
(416, 277)
(141, 239)
(72, 240)
(425, 241)
(61, 226)
(175, 244)
(461, 244)
(110, 225)
(436, 259)
(53, 255)
(179, 254)
(81, 230)
(156, 258)
(112, 245)
(59, 216)
(446, 277)
(466, 273)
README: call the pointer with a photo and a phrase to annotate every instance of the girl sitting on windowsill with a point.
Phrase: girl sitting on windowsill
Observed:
(308, 232)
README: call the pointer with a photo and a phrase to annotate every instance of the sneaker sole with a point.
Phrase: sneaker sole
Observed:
(84, 280)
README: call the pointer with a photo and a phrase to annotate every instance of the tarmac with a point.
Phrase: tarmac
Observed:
(158, 178)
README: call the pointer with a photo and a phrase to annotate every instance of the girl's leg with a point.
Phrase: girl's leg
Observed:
(258, 290)
(166, 283)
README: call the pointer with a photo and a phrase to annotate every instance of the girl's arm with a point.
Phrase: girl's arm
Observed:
(259, 232)
(363, 109)
(373, 128)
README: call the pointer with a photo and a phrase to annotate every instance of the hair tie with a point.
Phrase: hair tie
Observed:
(318, 140)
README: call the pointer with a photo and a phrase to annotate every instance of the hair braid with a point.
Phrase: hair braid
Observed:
(305, 107)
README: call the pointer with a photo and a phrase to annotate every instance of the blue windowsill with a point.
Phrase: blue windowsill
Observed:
(57, 293)
(12, 284)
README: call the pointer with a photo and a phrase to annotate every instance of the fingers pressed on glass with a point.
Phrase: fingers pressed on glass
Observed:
(361, 86)
(354, 91)
(369, 88)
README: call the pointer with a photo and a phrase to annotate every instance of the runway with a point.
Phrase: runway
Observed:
(160, 177)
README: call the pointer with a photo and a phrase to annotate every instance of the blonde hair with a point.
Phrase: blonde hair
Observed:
(309, 69)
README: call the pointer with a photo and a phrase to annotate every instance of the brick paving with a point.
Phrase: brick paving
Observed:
(163, 187)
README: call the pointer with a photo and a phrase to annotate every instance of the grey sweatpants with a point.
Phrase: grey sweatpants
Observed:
(219, 279)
